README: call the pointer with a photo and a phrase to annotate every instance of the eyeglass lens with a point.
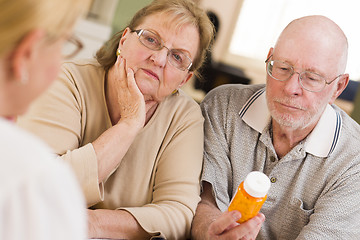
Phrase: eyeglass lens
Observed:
(282, 71)
(71, 47)
(176, 57)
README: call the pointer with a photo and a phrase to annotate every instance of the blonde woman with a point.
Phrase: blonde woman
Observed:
(133, 138)
(39, 196)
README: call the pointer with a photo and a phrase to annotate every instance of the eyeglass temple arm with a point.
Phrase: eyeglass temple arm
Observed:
(268, 58)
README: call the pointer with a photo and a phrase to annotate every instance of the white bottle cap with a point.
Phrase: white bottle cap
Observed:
(257, 184)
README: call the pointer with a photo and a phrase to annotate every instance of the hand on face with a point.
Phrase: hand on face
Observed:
(226, 227)
(127, 96)
(156, 77)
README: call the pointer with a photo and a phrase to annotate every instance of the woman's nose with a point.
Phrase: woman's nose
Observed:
(160, 57)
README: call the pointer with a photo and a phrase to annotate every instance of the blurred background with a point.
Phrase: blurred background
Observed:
(246, 29)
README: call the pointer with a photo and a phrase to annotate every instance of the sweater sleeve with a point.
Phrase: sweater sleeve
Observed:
(57, 117)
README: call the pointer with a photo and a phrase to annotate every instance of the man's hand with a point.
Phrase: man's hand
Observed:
(226, 227)
(210, 223)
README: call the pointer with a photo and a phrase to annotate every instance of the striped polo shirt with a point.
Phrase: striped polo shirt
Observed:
(315, 190)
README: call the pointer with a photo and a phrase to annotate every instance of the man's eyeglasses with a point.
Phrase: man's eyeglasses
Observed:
(176, 57)
(283, 71)
(71, 47)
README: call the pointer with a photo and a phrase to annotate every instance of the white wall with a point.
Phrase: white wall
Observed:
(227, 11)
(103, 11)
(93, 35)
(95, 29)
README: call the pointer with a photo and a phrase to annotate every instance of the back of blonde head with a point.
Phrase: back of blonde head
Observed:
(18, 17)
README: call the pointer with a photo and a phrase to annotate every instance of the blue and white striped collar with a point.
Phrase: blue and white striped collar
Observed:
(322, 140)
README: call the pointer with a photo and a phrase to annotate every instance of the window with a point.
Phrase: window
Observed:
(261, 21)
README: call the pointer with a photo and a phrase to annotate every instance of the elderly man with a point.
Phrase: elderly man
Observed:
(291, 131)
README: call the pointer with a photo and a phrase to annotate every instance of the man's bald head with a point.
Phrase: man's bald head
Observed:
(320, 34)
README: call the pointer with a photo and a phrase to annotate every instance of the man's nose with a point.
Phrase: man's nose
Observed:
(292, 85)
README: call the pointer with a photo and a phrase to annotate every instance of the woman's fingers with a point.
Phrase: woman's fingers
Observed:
(120, 71)
(129, 99)
(131, 83)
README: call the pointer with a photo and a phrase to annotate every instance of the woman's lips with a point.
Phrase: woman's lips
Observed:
(151, 74)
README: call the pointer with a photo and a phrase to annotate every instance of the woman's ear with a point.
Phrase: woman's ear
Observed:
(186, 79)
(25, 52)
(124, 36)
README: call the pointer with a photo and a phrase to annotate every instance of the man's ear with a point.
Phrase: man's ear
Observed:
(270, 52)
(340, 87)
(25, 52)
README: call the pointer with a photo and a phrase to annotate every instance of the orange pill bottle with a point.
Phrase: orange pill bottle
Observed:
(251, 195)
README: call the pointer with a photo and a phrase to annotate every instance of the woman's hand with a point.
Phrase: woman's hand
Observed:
(126, 106)
(92, 222)
(126, 94)
(114, 224)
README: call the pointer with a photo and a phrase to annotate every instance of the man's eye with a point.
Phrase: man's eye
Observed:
(282, 69)
(312, 77)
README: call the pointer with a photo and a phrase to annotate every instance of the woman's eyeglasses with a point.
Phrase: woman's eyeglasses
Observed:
(176, 57)
(71, 47)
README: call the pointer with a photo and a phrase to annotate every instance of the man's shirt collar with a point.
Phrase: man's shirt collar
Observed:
(322, 140)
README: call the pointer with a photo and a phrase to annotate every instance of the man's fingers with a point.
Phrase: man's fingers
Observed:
(224, 222)
(226, 227)
(252, 227)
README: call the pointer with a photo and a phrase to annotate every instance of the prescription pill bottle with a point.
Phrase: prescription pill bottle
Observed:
(251, 195)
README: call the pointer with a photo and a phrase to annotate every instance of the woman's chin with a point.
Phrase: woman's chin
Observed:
(147, 92)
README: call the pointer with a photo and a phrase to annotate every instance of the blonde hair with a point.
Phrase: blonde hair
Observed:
(181, 12)
(18, 17)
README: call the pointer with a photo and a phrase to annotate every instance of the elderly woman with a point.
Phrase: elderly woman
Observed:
(133, 138)
(34, 186)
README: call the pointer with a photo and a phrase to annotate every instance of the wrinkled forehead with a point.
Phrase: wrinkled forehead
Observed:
(307, 54)
(173, 32)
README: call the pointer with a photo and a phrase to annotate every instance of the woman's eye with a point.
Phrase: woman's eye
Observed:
(152, 40)
(178, 57)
